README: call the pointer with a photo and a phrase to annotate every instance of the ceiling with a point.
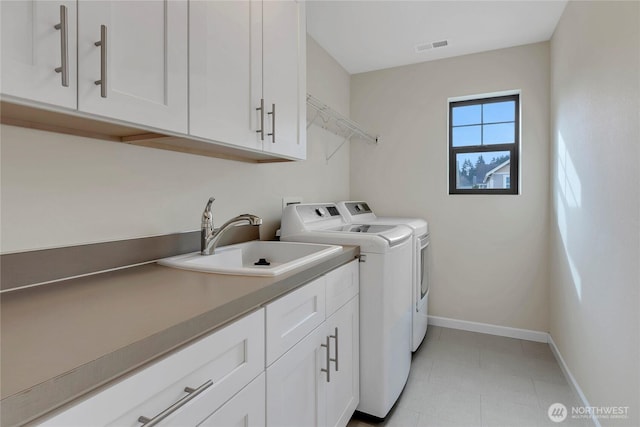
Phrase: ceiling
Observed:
(371, 35)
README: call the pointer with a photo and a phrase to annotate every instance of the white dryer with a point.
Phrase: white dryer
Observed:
(361, 213)
(385, 297)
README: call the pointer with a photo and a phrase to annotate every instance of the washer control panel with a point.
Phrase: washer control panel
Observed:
(319, 212)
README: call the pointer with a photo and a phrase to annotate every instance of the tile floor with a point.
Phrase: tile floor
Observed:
(467, 379)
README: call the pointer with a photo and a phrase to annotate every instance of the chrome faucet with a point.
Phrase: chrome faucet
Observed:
(210, 237)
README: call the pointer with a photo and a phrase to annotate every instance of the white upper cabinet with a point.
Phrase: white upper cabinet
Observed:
(221, 69)
(247, 74)
(39, 37)
(231, 73)
(140, 60)
(284, 77)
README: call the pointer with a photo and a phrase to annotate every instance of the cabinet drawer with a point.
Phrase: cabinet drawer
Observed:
(228, 359)
(343, 283)
(292, 317)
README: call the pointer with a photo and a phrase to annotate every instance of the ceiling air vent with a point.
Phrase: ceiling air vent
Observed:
(432, 45)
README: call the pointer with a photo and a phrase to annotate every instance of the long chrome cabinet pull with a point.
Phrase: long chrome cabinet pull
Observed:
(335, 336)
(193, 392)
(261, 109)
(63, 26)
(273, 123)
(103, 61)
(327, 346)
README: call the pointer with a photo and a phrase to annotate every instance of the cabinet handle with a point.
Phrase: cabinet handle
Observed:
(273, 123)
(63, 69)
(261, 109)
(335, 336)
(327, 346)
(192, 393)
(103, 61)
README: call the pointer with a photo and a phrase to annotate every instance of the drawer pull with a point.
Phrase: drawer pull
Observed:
(261, 109)
(64, 46)
(327, 346)
(272, 113)
(102, 44)
(192, 393)
(335, 336)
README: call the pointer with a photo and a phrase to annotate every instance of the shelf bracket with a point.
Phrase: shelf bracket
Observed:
(339, 146)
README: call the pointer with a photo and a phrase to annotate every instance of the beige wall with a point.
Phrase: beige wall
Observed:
(595, 155)
(62, 190)
(490, 253)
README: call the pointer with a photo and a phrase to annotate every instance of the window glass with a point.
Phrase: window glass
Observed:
(495, 112)
(467, 115)
(467, 135)
(502, 133)
(481, 170)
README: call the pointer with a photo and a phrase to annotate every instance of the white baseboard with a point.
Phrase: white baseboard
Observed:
(486, 328)
(523, 334)
(570, 379)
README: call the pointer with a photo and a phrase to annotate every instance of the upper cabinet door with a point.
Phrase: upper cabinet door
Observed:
(140, 59)
(33, 48)
(222, 96)
(284, 77)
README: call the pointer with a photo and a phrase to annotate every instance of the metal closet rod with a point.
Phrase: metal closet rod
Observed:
(342, 123)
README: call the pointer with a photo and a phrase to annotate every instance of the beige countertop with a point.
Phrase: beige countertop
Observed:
(62, 340)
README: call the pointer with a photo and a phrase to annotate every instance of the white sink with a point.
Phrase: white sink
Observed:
(239, 259)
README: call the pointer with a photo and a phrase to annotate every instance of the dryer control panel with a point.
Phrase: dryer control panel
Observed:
(358, 208)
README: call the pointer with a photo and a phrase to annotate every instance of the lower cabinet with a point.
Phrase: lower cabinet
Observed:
(308, 339)
(343, 389)
(296, 385)
(316, 382)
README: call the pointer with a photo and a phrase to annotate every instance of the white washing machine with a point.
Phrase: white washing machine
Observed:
(385, 297)
(361, 213)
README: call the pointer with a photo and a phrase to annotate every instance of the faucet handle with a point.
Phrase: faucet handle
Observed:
(207, 208)
(207, 216)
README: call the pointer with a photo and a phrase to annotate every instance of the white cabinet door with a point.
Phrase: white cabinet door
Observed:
(245, 409)
(224, 89)
(145, 49)
(32, 49)
(343, 391)
(296, 385)
(284, 77)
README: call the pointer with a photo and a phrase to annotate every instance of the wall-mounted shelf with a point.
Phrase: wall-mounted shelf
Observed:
(329, 119)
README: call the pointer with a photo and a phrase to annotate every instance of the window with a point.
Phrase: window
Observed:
(483, 145)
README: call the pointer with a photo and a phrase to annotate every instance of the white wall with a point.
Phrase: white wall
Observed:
(60, 190)
(595, 243)
(490, 252)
